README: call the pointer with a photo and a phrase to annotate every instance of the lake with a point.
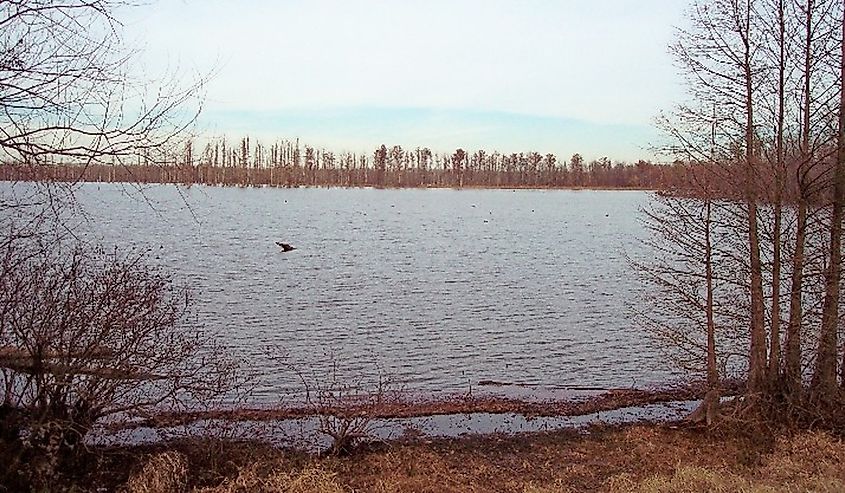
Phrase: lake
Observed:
(437, 290)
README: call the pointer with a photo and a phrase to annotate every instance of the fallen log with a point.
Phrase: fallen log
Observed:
(92, 353)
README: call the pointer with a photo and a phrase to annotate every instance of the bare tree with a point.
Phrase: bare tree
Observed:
(87, 335)
(697, 302)
(824, 383)
(66, 93)
(719, 53)
(68, 96)
(765, 93)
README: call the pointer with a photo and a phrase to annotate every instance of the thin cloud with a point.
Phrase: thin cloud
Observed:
(597, 63)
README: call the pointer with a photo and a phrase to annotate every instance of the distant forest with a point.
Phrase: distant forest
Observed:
(286, 163)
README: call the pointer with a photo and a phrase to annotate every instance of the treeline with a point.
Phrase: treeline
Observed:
(286, 163)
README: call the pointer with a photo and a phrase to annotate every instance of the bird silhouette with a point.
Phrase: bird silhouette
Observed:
(285, 247)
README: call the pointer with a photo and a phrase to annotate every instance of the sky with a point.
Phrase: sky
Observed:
(566, 76)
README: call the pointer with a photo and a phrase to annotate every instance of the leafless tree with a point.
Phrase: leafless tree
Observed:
(67, 93)
(764, 96)
(720, 55)
(824, 383)
(86, 335)
(692, 277)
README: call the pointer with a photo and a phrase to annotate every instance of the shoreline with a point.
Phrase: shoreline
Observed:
(400, 406)
(597, 188)
(669, 457)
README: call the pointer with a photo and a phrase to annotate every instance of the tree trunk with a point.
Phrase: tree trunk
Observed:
(824, 378)
(757, 355)
(712, 371)
(774, 338)
(792, 363)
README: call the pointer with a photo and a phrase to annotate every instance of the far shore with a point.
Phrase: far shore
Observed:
(601, 188)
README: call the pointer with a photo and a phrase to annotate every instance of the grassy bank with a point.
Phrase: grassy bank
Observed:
(646, 458)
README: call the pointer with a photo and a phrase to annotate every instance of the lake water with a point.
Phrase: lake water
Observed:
(436, 290)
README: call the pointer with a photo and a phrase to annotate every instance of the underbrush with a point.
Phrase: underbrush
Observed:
(639, 458)
(643, 459)
(809, 461)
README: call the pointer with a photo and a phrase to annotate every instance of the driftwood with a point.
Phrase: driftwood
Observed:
(94, 353)
(24, 361)
(32, 367)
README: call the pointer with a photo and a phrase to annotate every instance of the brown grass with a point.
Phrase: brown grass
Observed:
(249, 479)
(166, 472)
(804, 462)
(643, 458)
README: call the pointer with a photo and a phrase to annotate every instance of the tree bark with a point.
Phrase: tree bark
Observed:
(757, 356)
(792, 363)
(824, 377)
(712, 371)
(774, 338)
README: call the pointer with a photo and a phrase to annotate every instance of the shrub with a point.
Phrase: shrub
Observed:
(85, 335)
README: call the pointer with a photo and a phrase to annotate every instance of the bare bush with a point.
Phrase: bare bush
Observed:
(349, 408)
(88, 335)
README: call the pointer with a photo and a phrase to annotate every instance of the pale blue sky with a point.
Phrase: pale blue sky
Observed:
(553, 76)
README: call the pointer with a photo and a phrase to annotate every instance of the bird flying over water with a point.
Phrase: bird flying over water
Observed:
(285, 247)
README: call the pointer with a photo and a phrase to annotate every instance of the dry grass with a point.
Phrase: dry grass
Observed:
(310, 479)
(166, 472)
(636, 459)
(805, 462)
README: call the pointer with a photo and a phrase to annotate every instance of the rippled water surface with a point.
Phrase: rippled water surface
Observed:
(436, 289)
